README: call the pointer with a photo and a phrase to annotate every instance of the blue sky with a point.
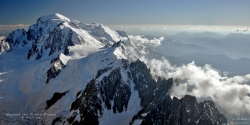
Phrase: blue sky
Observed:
(128, 12)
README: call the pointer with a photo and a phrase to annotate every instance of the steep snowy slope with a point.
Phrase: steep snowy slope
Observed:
(63, 71)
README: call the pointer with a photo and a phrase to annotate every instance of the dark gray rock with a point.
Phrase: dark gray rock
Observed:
(89, 106)
(54, 71)
(186, 111)
(57, 96)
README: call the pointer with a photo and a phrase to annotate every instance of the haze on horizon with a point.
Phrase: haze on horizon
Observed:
(21, 14)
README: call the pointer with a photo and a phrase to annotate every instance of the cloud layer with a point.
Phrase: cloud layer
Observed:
(6, 29)
(144, 40)
(230, 93)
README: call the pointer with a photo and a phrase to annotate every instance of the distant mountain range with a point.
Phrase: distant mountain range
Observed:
(234, 45)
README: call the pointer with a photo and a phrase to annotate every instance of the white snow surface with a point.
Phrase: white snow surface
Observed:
(144, 114)
(137, 122)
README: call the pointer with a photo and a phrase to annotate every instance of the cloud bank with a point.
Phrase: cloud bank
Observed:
(6, 29)
(230, 93)
(147, 41)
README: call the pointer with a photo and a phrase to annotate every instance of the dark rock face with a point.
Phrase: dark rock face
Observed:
(57, 96)
(143, 81)
(55, 69)
(113, 88)
(55, 42)
(101, 71)
(58, 119)
(1, 47)
(186, 111)
(33, 50)
(89, 106)
(147, 87)
(116, 44)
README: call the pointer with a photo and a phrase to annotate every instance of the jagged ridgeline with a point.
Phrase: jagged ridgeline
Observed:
(88, 74)
(156, 105)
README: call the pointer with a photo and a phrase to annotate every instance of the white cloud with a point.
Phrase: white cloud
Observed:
(163, 28)
(6, 29)
(230, 93)
(144, 40)
(123, 27)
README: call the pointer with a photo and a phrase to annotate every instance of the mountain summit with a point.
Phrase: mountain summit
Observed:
(62, 71)
(56, 33)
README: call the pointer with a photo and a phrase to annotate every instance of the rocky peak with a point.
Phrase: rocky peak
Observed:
(184, 111)
(17, 38)
(46, 24)
(56, 33)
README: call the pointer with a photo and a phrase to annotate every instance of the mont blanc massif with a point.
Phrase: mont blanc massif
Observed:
(62, 71)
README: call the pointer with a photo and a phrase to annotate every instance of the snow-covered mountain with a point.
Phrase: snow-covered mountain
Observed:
(62, 71)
